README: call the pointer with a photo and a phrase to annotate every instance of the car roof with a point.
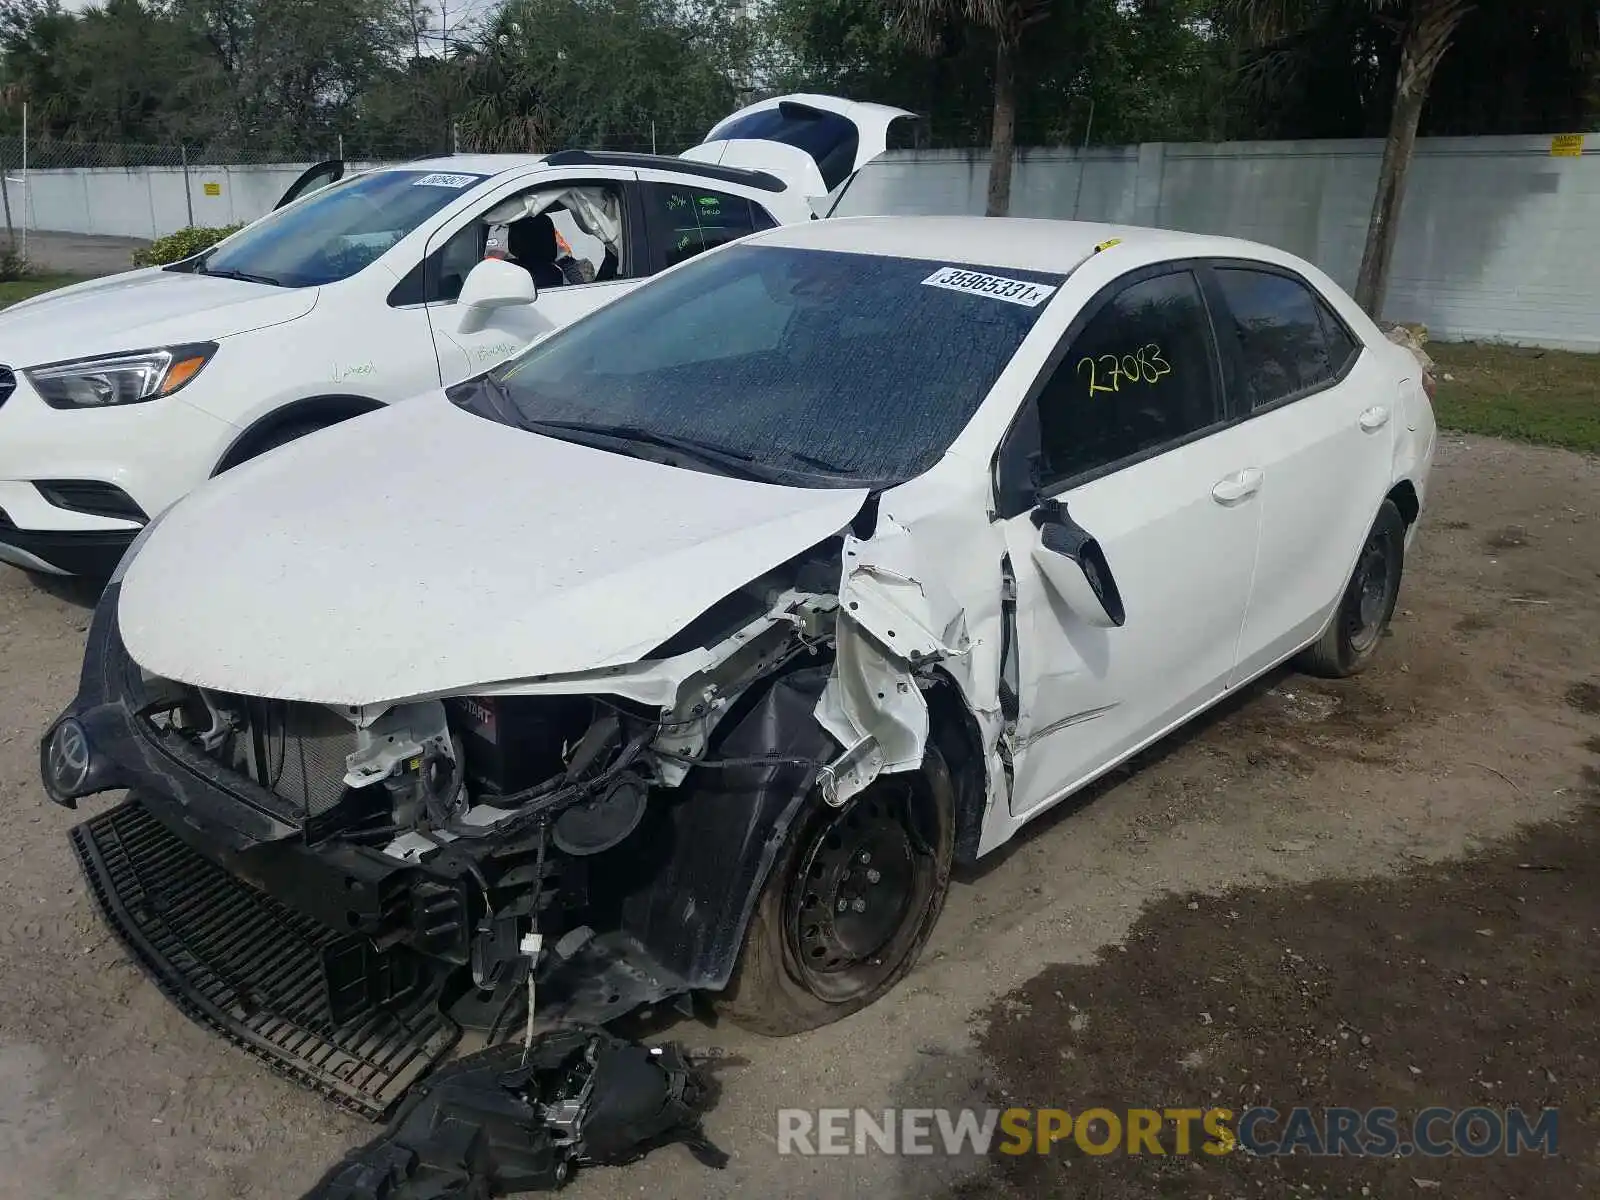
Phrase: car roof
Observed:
(469, 164)
(1020, 243)
(497, 164)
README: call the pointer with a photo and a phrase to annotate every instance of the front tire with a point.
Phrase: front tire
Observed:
(1349, 644)
(849, 904)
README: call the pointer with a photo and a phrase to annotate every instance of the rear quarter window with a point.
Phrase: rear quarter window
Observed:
(1289, 341)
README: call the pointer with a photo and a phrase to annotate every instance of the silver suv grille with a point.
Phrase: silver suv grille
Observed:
(8, 384)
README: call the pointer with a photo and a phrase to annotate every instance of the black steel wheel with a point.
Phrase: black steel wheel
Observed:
(849, 904)
(1359, 623)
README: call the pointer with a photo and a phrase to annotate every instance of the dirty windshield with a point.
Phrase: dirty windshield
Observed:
(334, 232)
(808, 367)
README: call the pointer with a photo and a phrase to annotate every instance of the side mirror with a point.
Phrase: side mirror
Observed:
(493, 283)
(1076, 567)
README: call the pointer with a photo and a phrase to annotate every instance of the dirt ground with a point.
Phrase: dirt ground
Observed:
(1481, 717)
(1462, 984)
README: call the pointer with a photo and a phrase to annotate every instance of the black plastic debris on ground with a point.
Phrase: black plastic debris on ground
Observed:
(500, 1123)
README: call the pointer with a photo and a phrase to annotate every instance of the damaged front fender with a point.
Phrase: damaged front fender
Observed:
(891, 624)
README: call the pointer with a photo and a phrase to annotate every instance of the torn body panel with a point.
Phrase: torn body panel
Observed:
(604, 834)
(921, 599)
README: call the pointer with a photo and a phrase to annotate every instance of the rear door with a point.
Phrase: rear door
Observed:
(1318, 415)
(1134, 441)
(813, 143)
(683, 218)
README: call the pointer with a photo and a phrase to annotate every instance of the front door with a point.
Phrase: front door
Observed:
(600, 257)
(1133, 441)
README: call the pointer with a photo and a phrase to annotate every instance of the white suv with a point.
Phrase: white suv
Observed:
(119, 395)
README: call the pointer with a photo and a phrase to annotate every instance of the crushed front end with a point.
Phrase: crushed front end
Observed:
(342, 890)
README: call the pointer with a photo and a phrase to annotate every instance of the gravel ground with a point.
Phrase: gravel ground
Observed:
(1473, 724)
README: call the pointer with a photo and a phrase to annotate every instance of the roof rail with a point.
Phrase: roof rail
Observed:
(666, 162)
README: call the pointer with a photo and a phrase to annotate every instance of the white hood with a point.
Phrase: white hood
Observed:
(140, 310)
(423, 550)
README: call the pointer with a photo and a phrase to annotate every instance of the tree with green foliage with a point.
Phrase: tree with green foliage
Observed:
(924, 23)
(289, 78)
(1291, 31)
(601, 72)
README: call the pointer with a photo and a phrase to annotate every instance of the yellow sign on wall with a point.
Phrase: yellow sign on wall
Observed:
(213, 189)
(1567, 145)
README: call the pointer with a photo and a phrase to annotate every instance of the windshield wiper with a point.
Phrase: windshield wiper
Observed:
(245, 276)
(728, 461)
(821, 464)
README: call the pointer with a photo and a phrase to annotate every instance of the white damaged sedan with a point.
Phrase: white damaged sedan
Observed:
(689, 649)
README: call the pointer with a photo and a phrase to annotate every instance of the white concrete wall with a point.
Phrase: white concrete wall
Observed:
(149, 202)
(1499, 239)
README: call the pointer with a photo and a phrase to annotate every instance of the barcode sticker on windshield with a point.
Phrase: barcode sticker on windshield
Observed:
(449, 181)
(996, 287)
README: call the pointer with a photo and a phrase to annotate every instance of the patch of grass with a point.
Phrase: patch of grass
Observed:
(14, 290)
(1546, 396)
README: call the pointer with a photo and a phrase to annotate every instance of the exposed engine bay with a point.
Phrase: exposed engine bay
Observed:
(567, 848)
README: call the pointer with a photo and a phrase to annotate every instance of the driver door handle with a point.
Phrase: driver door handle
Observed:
(1239, 486)
(1374, 418)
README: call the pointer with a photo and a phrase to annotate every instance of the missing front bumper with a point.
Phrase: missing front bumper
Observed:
(243, 965)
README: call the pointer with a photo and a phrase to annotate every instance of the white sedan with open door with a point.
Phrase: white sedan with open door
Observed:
(119, 395)
(691, 647)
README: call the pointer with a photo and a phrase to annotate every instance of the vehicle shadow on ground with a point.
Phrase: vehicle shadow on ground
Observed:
(72, 589)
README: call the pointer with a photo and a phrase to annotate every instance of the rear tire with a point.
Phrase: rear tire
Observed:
(1349, 644)
(849, 904)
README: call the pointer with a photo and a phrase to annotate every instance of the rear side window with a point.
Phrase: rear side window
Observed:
(690, 220)
(1139, 376)
(1289, 341)
(1342, 345)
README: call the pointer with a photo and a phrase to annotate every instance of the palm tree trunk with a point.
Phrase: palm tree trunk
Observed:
(1002, 144)
(1427, 37)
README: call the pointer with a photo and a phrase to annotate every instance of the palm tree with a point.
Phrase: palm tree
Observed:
(1425, 29)
(923, 23)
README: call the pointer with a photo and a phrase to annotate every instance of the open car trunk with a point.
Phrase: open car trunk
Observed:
(814, 143)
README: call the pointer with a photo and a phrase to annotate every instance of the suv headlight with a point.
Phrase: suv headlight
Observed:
(119, 378)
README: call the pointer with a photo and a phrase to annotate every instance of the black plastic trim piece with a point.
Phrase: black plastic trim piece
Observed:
(761, 180)
(185, 920)
(92, 496)
(324, 410)
(91, 553)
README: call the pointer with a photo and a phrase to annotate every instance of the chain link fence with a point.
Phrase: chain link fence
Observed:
(128, 189)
